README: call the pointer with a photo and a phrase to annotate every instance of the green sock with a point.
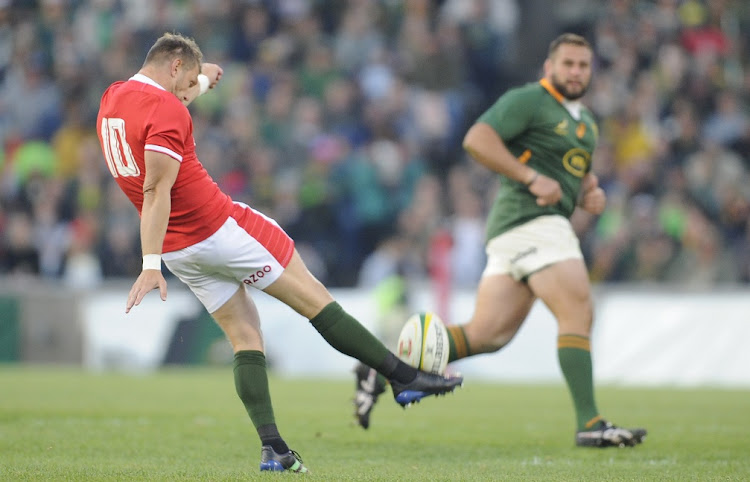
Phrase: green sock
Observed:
(457, 343)
(251, 382)
(348, 336)
(574, 353)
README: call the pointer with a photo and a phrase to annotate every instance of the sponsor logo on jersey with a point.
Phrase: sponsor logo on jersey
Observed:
(576, 161)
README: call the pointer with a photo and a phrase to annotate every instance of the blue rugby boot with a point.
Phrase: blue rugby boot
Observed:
(424, 385)
(290, 461)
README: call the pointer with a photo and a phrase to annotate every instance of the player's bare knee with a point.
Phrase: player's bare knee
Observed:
(487, 338)
(243, 334)
(577, 323)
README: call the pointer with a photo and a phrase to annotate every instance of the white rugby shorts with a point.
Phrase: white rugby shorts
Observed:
(249, 248)
(526, 249)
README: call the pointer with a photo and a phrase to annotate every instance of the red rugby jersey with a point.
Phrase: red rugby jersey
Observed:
(139, 115)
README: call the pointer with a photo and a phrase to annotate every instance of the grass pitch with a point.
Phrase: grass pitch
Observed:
(188, 424)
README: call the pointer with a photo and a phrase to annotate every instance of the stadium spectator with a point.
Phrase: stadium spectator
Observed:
(671, 75)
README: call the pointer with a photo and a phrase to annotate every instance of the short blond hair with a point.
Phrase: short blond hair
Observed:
(173, 45)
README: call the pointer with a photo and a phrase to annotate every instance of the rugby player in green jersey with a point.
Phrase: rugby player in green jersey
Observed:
(539, 138)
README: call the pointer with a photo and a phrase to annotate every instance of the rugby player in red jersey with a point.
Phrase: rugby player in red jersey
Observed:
(220, 248)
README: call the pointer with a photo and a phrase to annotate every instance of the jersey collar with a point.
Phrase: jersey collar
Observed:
(572, 106)
(146, 80)
(552, 91)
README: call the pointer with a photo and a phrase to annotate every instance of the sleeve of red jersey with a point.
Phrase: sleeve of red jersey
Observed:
(169, 128)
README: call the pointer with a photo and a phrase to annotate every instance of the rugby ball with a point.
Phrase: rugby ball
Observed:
(423, 343)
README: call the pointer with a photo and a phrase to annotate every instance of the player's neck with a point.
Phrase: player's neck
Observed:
(156, 76)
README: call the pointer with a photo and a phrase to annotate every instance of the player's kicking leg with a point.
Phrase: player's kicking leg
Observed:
(299, 289)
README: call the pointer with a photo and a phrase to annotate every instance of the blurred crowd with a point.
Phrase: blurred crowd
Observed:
(343, 120)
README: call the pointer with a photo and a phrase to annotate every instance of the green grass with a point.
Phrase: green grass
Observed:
(187, 424)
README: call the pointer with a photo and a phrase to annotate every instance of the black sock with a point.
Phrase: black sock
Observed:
(395, 369)
(269, 435)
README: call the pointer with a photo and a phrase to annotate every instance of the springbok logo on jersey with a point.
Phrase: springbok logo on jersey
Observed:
(576, 161)
(561, 128)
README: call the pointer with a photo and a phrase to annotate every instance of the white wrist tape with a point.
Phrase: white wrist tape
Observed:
(204, 83)
(152, 261)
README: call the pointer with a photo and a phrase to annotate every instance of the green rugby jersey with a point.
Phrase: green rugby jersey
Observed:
(538, 129)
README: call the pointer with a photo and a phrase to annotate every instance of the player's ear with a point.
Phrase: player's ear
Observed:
(174, 66)
(547, 67)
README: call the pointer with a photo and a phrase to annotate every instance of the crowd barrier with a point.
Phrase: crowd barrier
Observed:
(645, 337)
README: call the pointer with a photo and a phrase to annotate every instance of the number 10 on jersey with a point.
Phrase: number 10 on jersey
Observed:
(119, 156)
